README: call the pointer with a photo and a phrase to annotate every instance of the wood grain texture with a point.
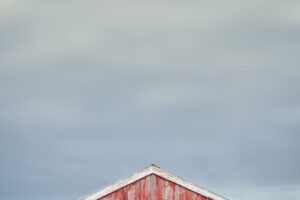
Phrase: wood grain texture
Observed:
(153, 187)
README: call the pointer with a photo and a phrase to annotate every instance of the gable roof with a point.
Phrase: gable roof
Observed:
(153, 169)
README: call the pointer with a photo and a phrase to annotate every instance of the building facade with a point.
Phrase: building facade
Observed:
(154, 183)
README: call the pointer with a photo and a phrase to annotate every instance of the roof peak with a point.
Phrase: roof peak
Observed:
(153, 165)
(154, 169)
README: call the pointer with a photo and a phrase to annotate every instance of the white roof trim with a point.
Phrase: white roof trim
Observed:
(159, 172)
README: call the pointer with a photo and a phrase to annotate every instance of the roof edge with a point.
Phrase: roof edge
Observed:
(153, 169)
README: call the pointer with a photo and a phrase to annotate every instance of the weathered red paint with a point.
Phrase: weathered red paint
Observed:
(153, 187)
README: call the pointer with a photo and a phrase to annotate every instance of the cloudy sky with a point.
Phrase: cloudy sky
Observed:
(92, 91)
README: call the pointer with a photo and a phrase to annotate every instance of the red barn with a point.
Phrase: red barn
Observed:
(154, 183)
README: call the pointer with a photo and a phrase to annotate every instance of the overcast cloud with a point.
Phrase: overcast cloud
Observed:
(92, 91)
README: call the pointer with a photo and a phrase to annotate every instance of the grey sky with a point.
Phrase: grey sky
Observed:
(92, 91)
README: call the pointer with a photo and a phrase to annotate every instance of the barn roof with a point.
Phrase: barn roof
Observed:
(153, 169)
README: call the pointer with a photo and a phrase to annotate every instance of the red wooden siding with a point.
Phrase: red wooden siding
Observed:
(153, 187)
